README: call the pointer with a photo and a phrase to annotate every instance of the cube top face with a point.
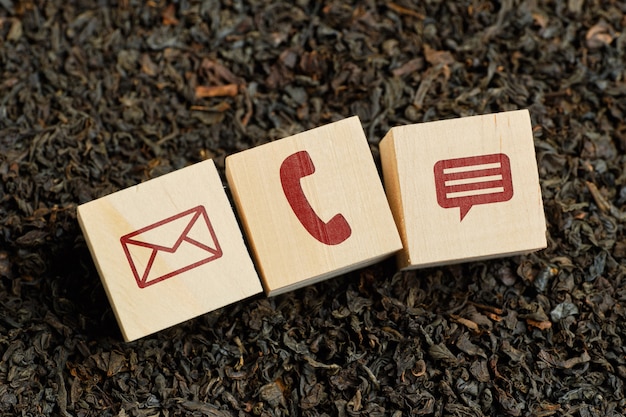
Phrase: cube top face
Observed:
(464, 189)
(312, 205)
(168, 250)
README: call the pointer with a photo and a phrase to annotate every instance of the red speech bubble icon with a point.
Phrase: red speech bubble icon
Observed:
(466, 182)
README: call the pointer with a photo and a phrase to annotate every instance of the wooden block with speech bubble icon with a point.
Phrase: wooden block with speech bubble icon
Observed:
(464, 189)
(168, 250)
(312, 205)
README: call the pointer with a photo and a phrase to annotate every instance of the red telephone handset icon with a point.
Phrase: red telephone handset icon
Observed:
(293, 168)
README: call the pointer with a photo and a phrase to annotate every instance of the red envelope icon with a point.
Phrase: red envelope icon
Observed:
(171, 246)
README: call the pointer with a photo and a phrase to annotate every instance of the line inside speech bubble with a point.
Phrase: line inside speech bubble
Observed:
(466, 182)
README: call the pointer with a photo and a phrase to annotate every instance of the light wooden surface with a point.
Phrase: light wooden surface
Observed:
(447, 210)
(168, 250)
(312, 205)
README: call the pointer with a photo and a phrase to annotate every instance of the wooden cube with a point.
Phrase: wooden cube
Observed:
(464, 189)
(168, 250)
(312, 205)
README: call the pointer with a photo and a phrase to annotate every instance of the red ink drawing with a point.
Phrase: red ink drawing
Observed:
(171, 246)
(293, 168)
(466, 182)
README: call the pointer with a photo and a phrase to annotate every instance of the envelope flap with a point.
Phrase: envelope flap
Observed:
(201, 233)
(165, 234)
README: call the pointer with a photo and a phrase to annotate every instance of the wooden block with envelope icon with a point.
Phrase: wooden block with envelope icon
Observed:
(464, 189)
(168, 250)
(312, 205)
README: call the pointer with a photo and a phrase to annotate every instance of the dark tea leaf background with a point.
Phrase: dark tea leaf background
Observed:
(96, 96)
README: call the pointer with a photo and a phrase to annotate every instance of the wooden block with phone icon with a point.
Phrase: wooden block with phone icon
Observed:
(312, 205)
(168, 250)
(464, 189)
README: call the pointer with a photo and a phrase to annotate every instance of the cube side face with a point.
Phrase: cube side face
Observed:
(469, 189)
(388, 156)
(168, 250)
(313, 205)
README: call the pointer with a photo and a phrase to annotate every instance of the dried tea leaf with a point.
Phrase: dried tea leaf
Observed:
(464, 344)
(600, 34)
(436, 58)
(562, 310)
(563, 364)
(509, 405)
(416, 64)
(480, 371)
(314, 396)
(228, 90)
(273, 394)
(441, 352)
(169, 15)
(16, 31)
(206, 409)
